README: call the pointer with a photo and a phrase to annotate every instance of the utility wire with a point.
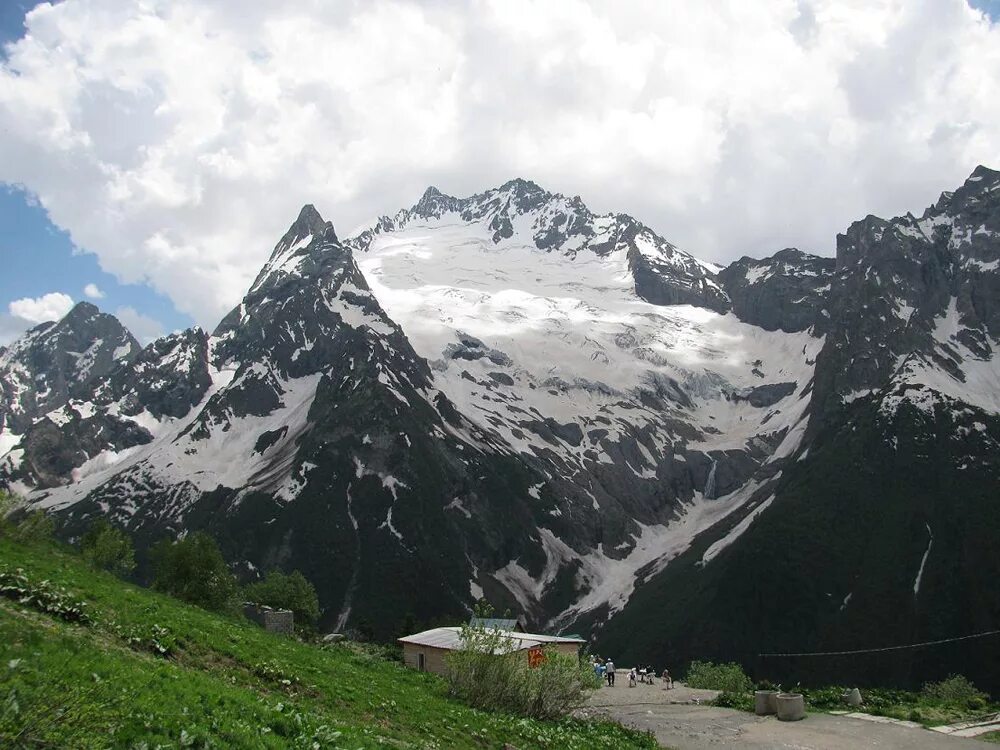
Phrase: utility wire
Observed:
(887, 648)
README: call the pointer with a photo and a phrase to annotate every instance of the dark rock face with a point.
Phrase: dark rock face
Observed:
(54, 362)
(161, 382)
(670, 280)
(355, 470)
(885, 529)
(308, 433)
(53, 449)
(167, 378)
(765, 395)
(914, 295)
(786, 292)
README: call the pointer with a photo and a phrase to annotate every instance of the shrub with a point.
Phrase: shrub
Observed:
(193, 570)
(729, 678)
(7, 504)
(42, 596)
(108, 548)
(742, 701)
(292, 591)
(825, 697)
(955, 689)
(33, 527)
(489, 673)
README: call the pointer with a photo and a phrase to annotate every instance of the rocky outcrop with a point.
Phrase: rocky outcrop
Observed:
(57, 361)
(787, 291)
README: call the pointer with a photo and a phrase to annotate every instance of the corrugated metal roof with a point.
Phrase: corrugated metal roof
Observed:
(451, 639)
(497, 623)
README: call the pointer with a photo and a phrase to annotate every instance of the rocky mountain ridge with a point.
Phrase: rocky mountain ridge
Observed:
(509, 396)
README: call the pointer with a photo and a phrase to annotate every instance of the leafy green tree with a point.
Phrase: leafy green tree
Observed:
(193, 570)
(7, 503)
(407, 626)
(292, 591)
(109, 548)
(36, 526)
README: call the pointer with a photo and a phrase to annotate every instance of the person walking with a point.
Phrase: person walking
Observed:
(631, 677)
(668, 682)
(609, 672)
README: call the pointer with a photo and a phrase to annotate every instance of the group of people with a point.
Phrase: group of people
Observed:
(605, 670)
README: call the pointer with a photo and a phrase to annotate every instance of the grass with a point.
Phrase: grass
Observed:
(990, 737)
(148, 671)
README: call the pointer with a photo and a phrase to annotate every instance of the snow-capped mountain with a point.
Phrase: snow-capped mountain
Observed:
(508, 395)
(53, 362)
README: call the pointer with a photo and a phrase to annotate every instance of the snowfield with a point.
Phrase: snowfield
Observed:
(515, 334)
(572, 335)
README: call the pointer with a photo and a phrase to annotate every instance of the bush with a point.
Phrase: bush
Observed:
(955, 690)
(7, 504)
(34, 527)
(742, 701)
(490, 674)
(193, 570)
(290, 591)
(108, 548)
(826, 697)
(729, 678)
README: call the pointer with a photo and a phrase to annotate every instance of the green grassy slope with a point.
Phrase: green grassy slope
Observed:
(225, 683)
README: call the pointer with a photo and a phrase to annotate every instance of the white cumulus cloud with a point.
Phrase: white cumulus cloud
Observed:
(143, 327)
(92, 291)
(33, 310)
(177, 139)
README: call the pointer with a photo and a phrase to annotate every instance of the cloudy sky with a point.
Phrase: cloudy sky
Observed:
(153, 151)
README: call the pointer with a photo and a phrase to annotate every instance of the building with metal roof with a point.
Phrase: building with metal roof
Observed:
(427, 651)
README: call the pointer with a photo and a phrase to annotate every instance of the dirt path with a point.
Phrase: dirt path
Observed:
(687, 726)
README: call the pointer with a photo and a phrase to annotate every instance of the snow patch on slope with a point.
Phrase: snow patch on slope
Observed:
(712, 552)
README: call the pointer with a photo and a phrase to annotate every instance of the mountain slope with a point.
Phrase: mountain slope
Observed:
(884, 531)
(650, 421)
(316, 440)
(224, 682)
(553, 440)
(509, 396)
(53, 362)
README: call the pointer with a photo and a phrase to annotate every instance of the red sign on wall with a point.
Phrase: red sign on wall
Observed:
(535, 657)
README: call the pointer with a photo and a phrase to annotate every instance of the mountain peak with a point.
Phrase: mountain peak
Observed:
(522, 186)
(311, 219)
(82, 311)
(308, 223)
(309, 214)
(983, 179)
(984, 173)
(434, 203)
